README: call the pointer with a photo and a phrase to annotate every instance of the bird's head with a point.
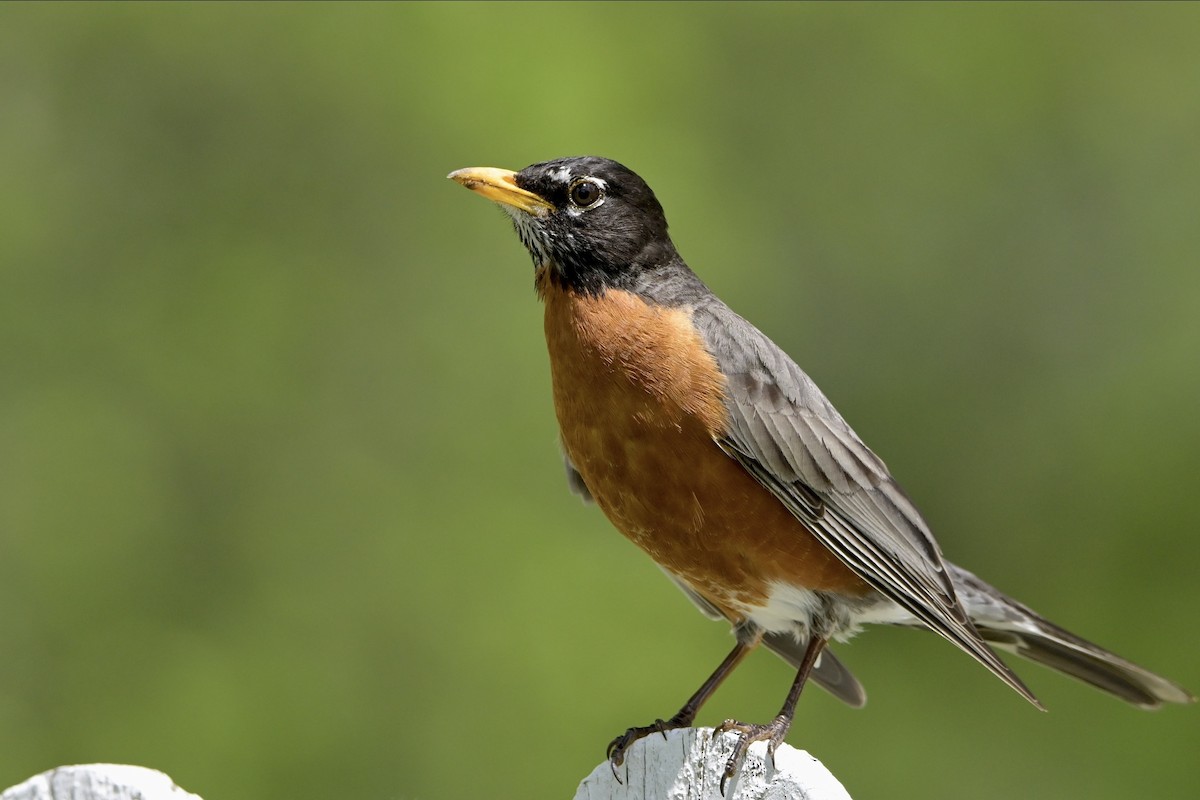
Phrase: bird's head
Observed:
(593, 223)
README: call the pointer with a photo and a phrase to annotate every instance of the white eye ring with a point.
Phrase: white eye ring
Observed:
(586, 193)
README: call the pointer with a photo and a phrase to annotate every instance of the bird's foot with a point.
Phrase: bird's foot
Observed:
(618, 746)
(772, 733)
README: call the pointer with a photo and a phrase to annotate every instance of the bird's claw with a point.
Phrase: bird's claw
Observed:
(772, 733)
(617, 747)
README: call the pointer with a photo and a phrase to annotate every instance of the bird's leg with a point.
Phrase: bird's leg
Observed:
(774, 731)
(748, 639)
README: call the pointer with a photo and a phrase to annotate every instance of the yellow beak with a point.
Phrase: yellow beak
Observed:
(500, 185)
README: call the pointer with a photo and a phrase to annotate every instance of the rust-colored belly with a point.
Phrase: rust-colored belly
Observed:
(640, 402)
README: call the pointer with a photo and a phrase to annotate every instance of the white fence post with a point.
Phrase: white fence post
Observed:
(688, 763)
(685, 765)
(98, 782)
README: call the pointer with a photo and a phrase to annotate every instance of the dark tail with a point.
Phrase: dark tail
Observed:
(1008, 625)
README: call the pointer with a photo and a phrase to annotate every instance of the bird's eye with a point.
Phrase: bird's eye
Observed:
(585, 193)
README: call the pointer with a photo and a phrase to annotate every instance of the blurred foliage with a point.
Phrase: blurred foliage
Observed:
(281, 511)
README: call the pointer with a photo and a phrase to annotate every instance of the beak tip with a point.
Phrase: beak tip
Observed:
(500, 186)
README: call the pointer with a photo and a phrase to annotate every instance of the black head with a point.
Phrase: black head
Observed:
(592, 222)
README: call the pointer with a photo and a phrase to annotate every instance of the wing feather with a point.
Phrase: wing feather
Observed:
(785, 433)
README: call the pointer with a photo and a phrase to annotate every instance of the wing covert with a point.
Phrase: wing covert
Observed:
(785, 433)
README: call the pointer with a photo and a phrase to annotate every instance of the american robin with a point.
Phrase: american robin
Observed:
(707, 446)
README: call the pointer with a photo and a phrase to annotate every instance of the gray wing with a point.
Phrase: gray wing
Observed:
(829, 673)
(575, 482)
(786, 434)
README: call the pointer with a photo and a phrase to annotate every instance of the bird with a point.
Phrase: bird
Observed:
(707, 446)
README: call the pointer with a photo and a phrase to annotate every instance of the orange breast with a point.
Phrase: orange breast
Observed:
(639, 402)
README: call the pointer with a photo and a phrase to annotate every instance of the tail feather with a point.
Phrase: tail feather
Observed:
(1101, 669)
(1008, 625)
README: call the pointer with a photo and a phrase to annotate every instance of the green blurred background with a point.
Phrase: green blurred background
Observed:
(281, 509)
